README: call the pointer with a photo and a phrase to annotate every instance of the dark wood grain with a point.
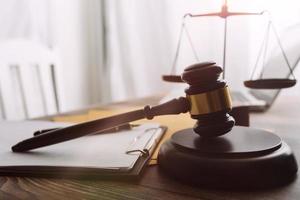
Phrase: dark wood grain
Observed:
(283, 118)
(35, 188)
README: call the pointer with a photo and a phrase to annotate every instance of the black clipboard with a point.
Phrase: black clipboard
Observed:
(84, 173)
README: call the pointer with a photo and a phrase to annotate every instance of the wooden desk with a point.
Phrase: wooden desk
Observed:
(284, 118)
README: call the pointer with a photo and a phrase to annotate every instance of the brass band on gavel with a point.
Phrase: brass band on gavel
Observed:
(211, 101)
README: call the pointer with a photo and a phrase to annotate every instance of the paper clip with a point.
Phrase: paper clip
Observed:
(147, 149)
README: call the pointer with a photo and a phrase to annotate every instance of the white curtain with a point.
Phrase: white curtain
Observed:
(27, 19)
(139, 46)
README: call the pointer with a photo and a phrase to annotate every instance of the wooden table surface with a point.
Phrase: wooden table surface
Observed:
(283, 118)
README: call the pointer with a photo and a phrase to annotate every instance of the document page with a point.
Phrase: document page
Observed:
(105, 151)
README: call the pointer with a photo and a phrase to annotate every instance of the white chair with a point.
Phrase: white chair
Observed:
(28, 86)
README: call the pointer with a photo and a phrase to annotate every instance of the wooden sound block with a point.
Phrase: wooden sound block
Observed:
(243, 158)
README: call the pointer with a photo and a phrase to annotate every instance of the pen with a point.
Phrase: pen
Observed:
(175, 106)
(114, 129)
(76, 131)
(39, 132)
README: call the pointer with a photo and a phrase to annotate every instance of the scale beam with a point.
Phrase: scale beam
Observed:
(224, 13)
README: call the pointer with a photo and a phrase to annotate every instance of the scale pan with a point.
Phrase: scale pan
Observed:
(172, 78)
(270, 83)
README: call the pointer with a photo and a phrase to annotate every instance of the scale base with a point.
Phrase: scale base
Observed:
(243, 158)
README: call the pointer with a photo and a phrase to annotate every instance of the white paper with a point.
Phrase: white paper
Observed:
(103, 151)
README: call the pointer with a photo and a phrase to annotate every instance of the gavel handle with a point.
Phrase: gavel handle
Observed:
(175, 106)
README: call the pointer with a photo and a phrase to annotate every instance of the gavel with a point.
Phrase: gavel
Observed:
(207, 100)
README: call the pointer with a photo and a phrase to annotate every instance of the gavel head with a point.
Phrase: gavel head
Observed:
(209, 99)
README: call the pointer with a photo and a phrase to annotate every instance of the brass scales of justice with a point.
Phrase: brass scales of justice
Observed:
(259, 83)
(242, 157)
